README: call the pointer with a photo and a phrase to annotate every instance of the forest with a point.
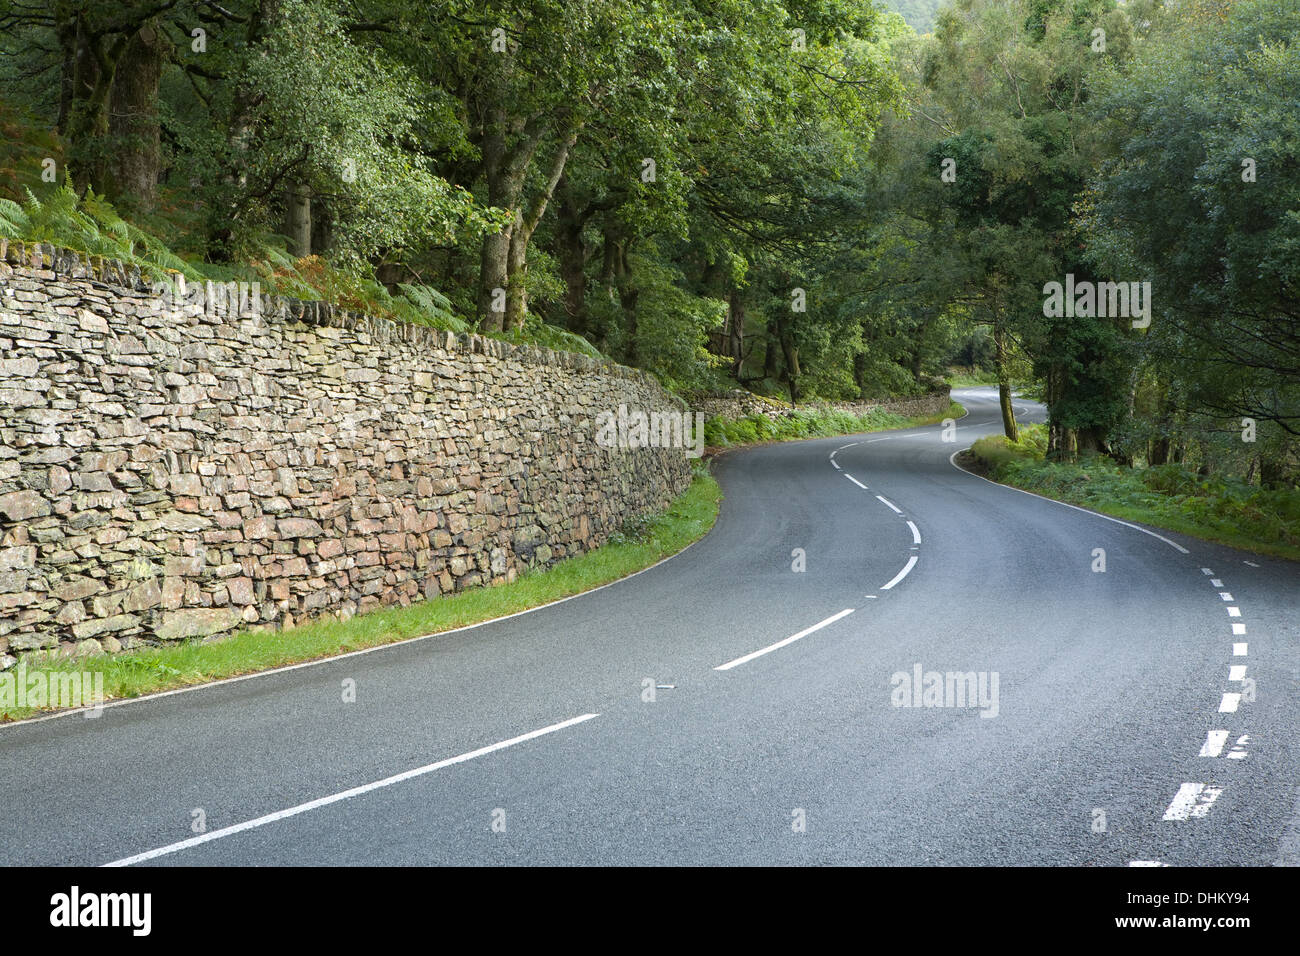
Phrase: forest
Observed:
(802, 198)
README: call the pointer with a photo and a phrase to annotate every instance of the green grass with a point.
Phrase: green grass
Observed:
(155, 669)
(969, 378)
(1226, 511)
(812, 423)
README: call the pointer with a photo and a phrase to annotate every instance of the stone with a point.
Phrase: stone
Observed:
(143, 596)
(196, 623)
(298, 528)
(22, 505)
(76, 589)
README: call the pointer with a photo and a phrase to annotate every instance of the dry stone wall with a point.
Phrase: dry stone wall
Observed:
(742, 404)
(178, 473)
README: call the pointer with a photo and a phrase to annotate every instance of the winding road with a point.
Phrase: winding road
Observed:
(740, 703)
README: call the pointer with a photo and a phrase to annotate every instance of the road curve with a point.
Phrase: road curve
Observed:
(727, 707)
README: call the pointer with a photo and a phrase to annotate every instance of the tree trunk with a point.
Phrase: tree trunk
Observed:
(297, 219)
(135, 157)
(493, 276)
(736, 331)
(571, 253)
(1004, 385)
(526, 220)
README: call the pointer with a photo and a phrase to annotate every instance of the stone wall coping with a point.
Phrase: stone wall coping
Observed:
(62, 262)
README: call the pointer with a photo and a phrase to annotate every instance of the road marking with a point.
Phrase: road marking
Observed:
(911, 563)
(836, 464)
(1147, 863)
(916, 534)
(1239, 629)
(1229, 703)
(346, 794)
(1192, 800)
(855, 481)
(1216, 583)
(780, 644)
(890, 504)
(1225, 595)
(378, 648)
(1214, 741)
(1239, 650)
(1237, 672)
(1096, 514)
(1251, 563)
(1238, 751)
(1234, 612)
(1206, 571)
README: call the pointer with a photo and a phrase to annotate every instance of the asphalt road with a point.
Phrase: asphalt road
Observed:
(1109, 688)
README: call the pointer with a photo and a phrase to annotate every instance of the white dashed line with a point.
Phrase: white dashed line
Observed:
(1239, 629)
(916, 534)
(1192, 800)
(886, 501)
(1147, 863)
(1229, 703)
(911, 563)
(1251, 563)
(780, 644)
(1224, 595)
(1214, 741)
(855, 481)
(1234, 612)
(836, 464)
(1207, 571)
(1216, 583)
(1239, 650)
(346, 794)
(1237, 672)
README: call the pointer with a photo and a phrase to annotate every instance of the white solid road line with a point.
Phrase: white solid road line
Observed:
(855, 481)
(1096, 514)
(890, 504)
(780, 644)
(1192, 800)
(911, 563)
(916, 534)
(345, 795)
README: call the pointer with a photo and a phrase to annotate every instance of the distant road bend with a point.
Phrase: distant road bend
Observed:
(723, 707)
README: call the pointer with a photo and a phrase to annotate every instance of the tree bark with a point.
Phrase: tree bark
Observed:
(134, 160)
(1009, 426)
(297, 225)
(526, 220)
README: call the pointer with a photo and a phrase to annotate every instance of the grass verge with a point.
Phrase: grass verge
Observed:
(813, 423)
(1224, 511)
(150, 670)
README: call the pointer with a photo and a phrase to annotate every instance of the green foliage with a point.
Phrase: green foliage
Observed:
(90, 226)
(1227, 510)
